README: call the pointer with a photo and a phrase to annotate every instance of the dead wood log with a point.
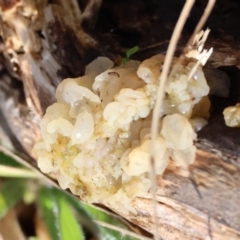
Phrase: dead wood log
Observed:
(42, 43)
(202, 203)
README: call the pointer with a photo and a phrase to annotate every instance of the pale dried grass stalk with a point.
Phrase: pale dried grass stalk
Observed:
(162, 80)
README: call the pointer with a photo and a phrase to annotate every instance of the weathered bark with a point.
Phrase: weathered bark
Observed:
(39, 50)
(200, 204)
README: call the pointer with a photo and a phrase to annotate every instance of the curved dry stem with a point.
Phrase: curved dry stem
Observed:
(202, 20)
(90, 13)
(197, 29)
(163, 77)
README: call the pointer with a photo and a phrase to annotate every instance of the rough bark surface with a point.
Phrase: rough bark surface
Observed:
(42, 43)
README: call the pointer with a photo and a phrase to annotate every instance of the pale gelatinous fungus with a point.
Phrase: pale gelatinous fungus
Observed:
(232, 115)
(96, 137)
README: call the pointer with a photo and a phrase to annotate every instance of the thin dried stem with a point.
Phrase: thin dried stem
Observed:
(6, 171)
(197, 29)
(163, 77)
(90, 13)
(71, 6)
(202, 20)
(193, 69)
(204, 55)
(28, 165)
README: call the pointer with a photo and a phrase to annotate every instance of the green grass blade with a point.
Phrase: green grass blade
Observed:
(50, 212)
(131, 51)
(11, 193)
(110, 234)
(83, 216)
(58, 216)
(8, 161)
(69, 226)
(111, 226)
(11, 168)
(103, 216)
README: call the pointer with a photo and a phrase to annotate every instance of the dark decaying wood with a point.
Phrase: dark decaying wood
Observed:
(42, 43)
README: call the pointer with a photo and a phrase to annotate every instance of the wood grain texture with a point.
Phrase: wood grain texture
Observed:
(199, 203)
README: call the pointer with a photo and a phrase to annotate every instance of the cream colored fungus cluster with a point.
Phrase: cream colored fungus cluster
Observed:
(96, 136)
(232, 115)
